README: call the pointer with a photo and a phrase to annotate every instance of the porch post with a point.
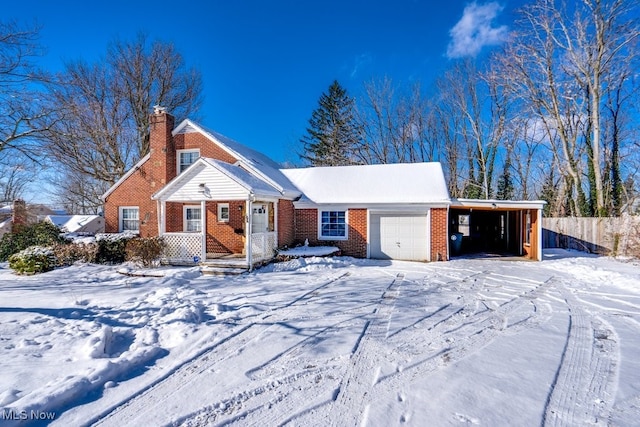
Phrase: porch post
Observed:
(162, 214)
(539, 235)
(203, 229)
(275, 224)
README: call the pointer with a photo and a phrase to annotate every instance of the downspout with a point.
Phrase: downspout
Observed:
(447, 235)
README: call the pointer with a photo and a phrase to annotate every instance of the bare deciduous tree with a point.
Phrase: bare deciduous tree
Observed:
(103, 111)
(395, 125)
(22, 118)
(563, 61)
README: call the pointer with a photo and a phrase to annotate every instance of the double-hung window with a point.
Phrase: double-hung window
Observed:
(129, 218)
(192, 219)
(333, 225)
(186, 158)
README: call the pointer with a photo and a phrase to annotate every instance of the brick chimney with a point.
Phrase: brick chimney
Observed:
(161, 147)
(19, 219)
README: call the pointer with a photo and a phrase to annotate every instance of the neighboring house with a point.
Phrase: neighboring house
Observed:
(210, 197)
(18, 212)
(92, 224)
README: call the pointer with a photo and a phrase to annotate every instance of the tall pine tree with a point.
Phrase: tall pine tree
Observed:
(333, 134)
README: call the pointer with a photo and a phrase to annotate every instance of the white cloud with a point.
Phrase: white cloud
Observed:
(359, 62)
(475, 30)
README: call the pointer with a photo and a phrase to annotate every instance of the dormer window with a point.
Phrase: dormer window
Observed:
(186, 158)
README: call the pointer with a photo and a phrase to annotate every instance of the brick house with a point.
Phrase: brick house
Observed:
(211, 197)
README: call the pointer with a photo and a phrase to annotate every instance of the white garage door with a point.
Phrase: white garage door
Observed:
(402, 236)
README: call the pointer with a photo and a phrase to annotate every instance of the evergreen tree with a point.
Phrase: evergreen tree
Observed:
(506, 189)
(333, 134)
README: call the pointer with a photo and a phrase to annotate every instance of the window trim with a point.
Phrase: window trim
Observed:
(219, 214)
(184, 218)
(346, 224)
(179, 155)
(121, 218)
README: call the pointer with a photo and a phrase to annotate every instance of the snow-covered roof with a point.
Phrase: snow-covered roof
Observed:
(76, 223)
(401, 183)
(252, 160)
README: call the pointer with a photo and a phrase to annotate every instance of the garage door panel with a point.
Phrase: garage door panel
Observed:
(400, 236)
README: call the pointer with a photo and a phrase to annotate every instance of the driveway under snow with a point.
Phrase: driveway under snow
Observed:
(325, 341)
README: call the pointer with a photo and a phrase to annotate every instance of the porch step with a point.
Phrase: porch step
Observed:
(217, 270)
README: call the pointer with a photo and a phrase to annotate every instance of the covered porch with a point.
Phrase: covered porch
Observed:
(209, 215)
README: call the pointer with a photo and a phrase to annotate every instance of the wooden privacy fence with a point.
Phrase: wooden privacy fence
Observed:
(606, 236)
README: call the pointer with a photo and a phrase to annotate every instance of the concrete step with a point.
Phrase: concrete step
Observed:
(222, 271)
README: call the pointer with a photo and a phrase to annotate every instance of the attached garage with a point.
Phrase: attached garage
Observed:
(401, 236)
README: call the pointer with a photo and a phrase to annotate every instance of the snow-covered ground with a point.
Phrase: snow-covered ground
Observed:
(326, 341)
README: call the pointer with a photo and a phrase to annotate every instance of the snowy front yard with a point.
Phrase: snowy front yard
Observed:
(326, 341)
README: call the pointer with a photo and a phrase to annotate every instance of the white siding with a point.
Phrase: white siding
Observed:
(218, 185)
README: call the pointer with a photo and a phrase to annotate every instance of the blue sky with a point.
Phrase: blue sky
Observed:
(265, 63)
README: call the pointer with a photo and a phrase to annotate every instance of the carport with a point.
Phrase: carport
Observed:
(496, 228)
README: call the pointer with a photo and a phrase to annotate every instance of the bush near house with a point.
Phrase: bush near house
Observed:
(40, 247)
(112, 247)
(70, 253)
(39, 234)
(33, 260)
(145, 250)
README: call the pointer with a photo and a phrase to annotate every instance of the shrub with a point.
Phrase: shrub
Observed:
(68, 254)
(40, 234)
(111, 247)
(33, 260)
(145, 250)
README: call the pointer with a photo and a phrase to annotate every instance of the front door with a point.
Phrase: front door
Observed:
(260, 218)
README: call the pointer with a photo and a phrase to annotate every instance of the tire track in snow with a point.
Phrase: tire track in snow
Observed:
(585, 384)
(626, 413)
(460, 335)
(242, 408)
(349, 405)
(153, 399)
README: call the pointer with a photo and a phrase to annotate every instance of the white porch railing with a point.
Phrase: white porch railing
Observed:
(182, 247)
(263, 246)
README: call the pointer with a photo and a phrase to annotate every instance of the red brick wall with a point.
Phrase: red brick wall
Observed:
(439, 238)
(226, 237)
(135, 191)
(286, 228)
(207, 148)
(356, 246)
(306, 227)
